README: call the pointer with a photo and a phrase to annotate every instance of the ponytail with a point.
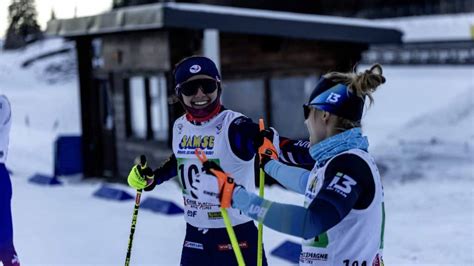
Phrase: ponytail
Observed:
(362, 84)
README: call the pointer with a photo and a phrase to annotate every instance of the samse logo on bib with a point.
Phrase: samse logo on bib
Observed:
(193, 142)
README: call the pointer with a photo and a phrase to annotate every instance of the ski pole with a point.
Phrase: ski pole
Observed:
(261, 185)
(225, 203)
(135, 214)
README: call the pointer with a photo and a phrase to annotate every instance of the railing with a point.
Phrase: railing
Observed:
(458, 53)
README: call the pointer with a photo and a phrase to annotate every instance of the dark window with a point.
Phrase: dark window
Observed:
(159, 107)
(245, 96)
(97, 53)
(285, 98)
(288, 94)
(147, 110)
(138, 107)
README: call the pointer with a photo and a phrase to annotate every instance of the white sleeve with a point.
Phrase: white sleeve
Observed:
(5, 111)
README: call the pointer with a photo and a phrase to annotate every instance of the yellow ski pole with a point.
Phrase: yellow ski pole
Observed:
(261, 185)
(233, 237)
(223, 178)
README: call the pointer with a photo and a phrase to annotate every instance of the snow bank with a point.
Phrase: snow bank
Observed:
(453, 122)
(412, 92)
(41, 110)
(436, 145)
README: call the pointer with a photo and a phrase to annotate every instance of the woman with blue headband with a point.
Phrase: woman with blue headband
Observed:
(342, 220)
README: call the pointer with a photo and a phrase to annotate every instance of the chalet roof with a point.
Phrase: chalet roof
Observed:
(226, 19)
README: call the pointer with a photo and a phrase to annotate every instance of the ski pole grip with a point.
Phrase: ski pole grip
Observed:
(200, 155)
(261, 124)
(143, 161)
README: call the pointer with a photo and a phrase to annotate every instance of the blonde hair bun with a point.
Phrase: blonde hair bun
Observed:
(362, 84)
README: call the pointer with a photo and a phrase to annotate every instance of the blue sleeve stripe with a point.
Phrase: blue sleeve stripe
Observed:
(285, 218)
(289, 219)
(293, 178)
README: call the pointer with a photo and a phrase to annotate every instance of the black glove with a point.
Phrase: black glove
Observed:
(208, 165)
(264, 159)
(258, 140)
(267, 146)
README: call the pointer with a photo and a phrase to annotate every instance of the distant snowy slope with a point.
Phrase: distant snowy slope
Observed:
(438, 144)
(41, 109)
(454, 122)
(412, 92)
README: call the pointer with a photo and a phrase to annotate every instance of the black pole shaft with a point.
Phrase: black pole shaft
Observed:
(132, 228)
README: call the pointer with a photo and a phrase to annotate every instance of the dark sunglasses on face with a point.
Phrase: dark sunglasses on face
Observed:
(306, 111)
(190, 88)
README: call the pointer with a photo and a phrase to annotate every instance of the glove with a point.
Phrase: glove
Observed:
(265, 141)
(208, 165)
(224, 181)
(141, 176)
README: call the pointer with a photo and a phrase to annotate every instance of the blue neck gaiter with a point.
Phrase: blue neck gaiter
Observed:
(350, 139)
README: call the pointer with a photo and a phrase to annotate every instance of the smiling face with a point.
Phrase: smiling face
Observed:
(200, 100)
(199, 93)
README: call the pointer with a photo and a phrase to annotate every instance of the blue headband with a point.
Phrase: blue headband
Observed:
(337, 99)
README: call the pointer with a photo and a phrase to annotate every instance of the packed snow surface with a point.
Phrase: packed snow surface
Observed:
(421, 129)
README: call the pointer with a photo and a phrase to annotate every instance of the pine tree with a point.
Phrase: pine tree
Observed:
(53, 15)
(23, 27)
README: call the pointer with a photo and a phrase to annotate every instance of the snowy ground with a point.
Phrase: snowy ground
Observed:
(428, 223)
(429, 185)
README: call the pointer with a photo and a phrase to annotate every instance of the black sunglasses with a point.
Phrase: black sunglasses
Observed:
(306, 111)
(190, 88)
